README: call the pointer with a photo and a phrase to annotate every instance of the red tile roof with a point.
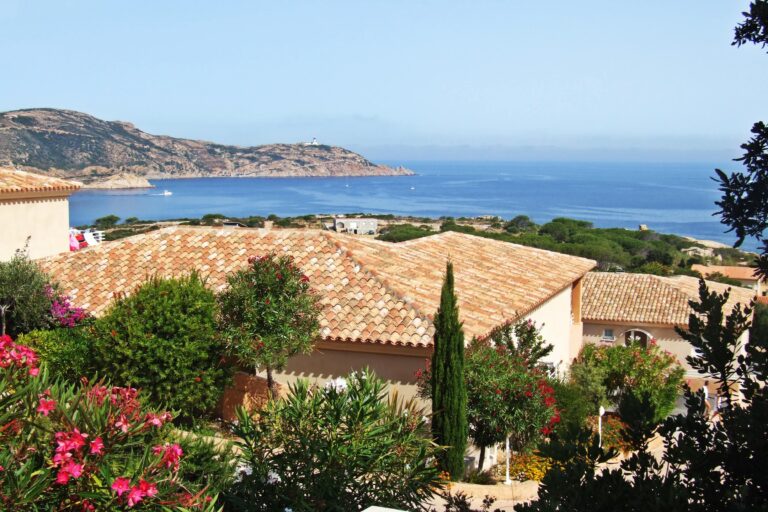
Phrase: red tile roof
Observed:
(13, 181)
(372, 291)
(647, 299)
(732, 271)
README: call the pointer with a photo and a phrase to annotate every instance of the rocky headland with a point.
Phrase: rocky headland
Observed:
(79, 146)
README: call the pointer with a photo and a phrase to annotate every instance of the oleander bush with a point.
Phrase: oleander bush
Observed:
(345, 446)
(605, 374)
(163, 339)
(84, 447)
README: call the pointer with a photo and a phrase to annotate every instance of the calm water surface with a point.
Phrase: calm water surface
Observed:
(674, 198)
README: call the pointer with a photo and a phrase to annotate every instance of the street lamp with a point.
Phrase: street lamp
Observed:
(600, 414)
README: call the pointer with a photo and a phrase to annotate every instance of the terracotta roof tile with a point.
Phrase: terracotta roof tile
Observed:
(13, 181)
(732, 271)
(647, 299)
(371, 291)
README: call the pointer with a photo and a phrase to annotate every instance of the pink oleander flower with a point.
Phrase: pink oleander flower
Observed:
(46, 406)
(121, 485)
(157, 420)
(134, 496)
(74, 469)
(170, 454)
(62, 477)
(97, 446)
(148, 489)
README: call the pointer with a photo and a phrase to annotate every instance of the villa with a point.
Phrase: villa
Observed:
(378, 298)
(745, 275)
(619, 307)
(34, 213)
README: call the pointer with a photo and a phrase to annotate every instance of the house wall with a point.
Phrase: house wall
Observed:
(397, 368)
(45, 221)
(556, 319)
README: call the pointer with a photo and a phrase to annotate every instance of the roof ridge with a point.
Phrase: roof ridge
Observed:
(385, 283)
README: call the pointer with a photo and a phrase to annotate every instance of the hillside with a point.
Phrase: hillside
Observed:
(76, 145)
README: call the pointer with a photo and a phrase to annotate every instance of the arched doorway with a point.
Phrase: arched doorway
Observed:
(637, 336)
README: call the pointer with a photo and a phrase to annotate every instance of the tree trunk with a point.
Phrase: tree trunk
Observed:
(271, 384)
(2, 319)
(481, 462)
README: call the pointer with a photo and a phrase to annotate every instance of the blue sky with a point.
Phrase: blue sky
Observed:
(412, 79)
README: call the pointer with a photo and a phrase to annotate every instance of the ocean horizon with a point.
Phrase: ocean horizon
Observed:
(676, 198)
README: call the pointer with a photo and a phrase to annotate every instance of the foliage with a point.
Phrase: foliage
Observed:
(207, 464)
(606, 373)
(480, 477)
(528, 466)
(448, 388)
(613, 432)
(83, 447)
(743, 205)
(701, 458)
(106, 222)
(268, 314)
(402, 232)
(575, 407)
(460, 502)
(507, 394)
(24, 303)
(339, 447)
(754, 28)
(163, 339)
(522, 340)
(520, 224)
(65, 352)
(759, 330)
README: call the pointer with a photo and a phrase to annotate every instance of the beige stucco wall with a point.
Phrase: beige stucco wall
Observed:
(326, 364)
(45, 221)
(559, 329)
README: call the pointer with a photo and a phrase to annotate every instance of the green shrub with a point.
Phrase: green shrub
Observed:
(163, 339)
(575, 407)
(607, 373)
(106, 222)
(403, 232)
(65, 352)
(207, 465)
(344, 446)
(25, 304)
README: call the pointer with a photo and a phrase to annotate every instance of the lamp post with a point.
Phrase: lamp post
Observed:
(600, 413)
(508, 481)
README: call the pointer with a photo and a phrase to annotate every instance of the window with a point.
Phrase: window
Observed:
(636, 336)
(608, 335)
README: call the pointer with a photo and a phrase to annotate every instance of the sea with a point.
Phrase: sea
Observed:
(674, 198)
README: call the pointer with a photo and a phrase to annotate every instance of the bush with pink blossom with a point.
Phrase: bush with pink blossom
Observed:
(86, 446)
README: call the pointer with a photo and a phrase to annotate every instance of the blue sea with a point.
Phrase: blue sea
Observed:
(669, 197)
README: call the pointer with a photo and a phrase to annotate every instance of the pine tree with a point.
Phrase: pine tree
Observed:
(449, 394)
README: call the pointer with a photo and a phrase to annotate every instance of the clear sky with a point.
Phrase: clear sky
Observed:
(651, 79)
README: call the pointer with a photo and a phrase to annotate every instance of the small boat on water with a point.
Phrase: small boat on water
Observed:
(167, 193)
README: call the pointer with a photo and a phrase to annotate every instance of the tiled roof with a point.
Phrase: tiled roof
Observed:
(371, 291)
(647, 299)
(734, 272)
(13, 181)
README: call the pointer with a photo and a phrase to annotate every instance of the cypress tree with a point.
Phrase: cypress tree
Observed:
(449, 394)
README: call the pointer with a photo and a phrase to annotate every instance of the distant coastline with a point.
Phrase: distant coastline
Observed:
(78, 146)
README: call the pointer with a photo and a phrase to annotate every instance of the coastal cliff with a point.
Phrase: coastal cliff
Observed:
(78, 146)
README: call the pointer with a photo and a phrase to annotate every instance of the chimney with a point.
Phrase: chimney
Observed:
(268, 224)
